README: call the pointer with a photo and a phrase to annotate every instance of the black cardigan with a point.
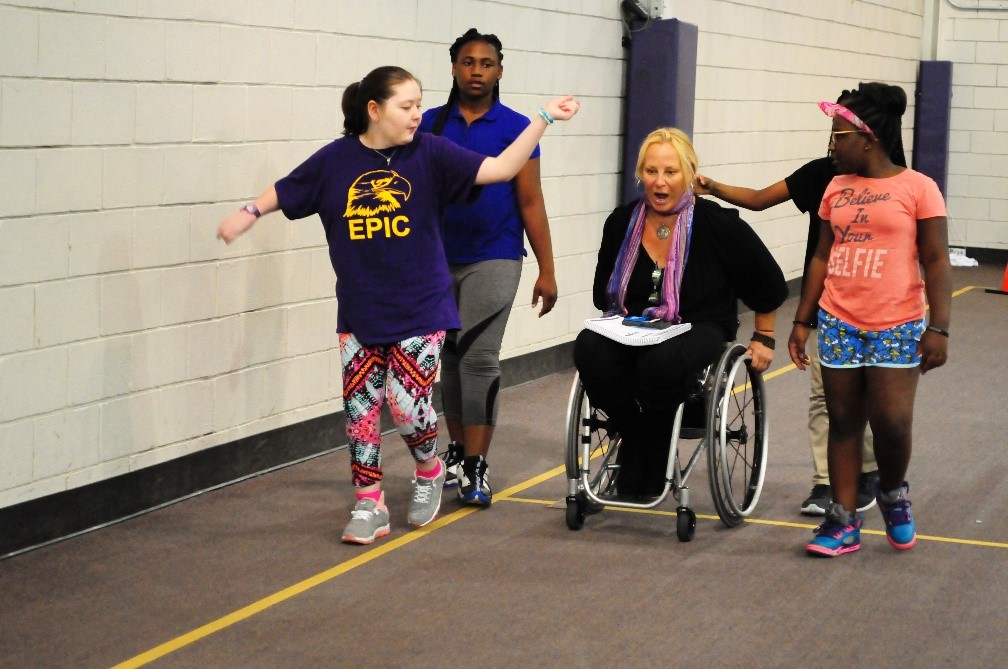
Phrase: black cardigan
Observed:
(727, 262)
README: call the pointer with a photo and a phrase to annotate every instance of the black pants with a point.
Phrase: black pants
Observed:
(639, 388)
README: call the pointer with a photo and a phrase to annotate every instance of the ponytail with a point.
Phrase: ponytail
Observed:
(355, 117)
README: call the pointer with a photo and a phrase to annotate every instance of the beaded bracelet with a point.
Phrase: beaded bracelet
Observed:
(935, 328)
(546, 117)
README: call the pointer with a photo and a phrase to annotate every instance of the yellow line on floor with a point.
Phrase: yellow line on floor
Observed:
(775, 523)
(294, 590)
(880, 533)
(535, 480)
(963, 290)
(388, 546)
(309, 583)
(776, 372)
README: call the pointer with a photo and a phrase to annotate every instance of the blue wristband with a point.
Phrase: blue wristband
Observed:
(546, 117)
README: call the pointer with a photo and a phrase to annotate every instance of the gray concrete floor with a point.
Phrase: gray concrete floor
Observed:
(254, 575)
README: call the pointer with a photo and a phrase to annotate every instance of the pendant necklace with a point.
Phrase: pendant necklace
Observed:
(663, 230)
(388, 158)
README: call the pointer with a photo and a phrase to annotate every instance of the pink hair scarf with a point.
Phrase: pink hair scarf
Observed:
(832, 109)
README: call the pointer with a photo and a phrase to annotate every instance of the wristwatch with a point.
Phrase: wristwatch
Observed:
(252, 209)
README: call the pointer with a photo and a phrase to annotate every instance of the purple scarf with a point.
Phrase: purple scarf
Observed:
(668, 309)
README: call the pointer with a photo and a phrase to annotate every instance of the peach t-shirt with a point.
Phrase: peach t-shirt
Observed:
(873, 278)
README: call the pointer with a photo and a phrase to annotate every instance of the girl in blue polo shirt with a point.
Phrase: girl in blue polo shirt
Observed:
(380, 191)
(484, 242)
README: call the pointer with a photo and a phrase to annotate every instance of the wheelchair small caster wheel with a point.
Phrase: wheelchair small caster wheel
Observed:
(685, 523)
(575, 513)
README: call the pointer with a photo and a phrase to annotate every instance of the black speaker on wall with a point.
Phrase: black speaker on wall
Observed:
(932, 120)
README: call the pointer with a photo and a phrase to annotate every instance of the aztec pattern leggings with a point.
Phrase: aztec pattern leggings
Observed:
(403, 373)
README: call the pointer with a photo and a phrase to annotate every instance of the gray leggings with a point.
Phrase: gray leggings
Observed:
(470, 359)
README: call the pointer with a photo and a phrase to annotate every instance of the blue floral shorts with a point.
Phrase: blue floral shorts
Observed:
(843, 345)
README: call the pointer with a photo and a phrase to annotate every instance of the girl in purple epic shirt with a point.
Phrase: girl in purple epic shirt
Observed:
(380, 191)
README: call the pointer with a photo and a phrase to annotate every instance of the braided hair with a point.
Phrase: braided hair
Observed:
(471, 35)
(881, 107)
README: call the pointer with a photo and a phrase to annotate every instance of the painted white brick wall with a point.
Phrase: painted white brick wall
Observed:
(99, 369)
(36, 112)
(761, 69)
(128, 128)
(977, 44)
(18, 174)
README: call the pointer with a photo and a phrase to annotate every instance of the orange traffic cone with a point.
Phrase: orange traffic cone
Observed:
(1004, 285)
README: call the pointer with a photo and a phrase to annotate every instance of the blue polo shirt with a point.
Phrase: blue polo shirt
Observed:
(490, 227)
(382, 220)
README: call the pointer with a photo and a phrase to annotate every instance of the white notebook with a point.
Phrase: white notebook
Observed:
(633, 335)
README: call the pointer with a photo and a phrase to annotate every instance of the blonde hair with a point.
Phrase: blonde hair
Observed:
(682, 145)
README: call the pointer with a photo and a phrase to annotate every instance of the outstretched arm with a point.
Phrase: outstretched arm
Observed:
(740, 196)
(533, 212)
(240, 221)
(505, 166)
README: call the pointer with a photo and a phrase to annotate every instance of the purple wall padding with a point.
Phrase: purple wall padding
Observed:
(932, 114)
(661, 88)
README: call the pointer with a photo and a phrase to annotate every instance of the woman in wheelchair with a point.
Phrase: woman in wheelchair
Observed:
(675, 257)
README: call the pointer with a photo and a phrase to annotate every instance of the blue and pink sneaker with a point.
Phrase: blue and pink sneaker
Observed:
(900, 529)
(840, 533)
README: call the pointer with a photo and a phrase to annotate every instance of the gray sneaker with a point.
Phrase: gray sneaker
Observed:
(426, 500)
(367, 523)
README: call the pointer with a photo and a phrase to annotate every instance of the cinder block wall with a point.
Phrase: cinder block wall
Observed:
(130, 336)
(762, 68)
(976, 41)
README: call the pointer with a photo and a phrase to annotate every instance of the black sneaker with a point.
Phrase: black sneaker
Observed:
(452, 458)
(474, 489)
(818, 500)
(867, 483)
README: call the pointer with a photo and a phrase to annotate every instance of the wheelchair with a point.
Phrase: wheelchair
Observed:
(727, 418)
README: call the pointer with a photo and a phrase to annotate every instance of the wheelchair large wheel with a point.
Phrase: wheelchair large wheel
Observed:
(737, 435)
(585, 422)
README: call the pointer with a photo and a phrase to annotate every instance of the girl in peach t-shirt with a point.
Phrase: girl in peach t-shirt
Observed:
(882, 224)
(873, 277)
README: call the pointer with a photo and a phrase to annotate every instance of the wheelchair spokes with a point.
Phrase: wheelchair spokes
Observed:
(739, 447)
(726, 416)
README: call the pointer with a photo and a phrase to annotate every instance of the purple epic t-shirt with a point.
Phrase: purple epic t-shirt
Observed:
(382, 220)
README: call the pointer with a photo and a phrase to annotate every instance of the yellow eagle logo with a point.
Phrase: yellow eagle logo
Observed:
(376, 192)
